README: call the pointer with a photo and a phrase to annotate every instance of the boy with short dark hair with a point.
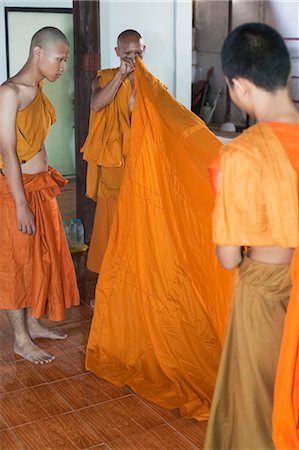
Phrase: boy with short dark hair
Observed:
(257, 208)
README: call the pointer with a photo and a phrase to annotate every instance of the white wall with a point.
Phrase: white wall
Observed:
(167, 30)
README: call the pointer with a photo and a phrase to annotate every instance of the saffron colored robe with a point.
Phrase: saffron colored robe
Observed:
(36, 271)
(162, 299)
(257, 204)
(105, 151)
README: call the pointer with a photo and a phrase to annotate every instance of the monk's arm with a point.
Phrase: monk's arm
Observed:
(229, 256)
(8, 112)
(101, 97)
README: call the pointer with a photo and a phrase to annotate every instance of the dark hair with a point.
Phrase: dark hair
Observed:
(128, 33)
(257, 52)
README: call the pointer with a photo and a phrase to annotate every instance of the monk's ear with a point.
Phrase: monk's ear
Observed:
(240, 86)
(117, 51)
(37, 51)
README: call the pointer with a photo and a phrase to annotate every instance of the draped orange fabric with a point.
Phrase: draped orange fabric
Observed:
(162, 299)
(286, 398)
(32, 126)
(108, 141)
(253, 209)
(37, 271)
(105, 151)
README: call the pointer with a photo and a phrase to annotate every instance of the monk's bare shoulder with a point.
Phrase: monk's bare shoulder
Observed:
(9, 94)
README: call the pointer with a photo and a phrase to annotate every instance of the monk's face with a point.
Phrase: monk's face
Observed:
(129, 48)
(52, 60)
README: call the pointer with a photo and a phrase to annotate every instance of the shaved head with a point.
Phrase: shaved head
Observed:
(128, 35)
(47, 36)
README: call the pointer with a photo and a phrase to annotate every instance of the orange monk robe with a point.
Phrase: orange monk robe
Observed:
(162, 300)
(105, 151)
(37, 271)
(267, 215)
(32, 126)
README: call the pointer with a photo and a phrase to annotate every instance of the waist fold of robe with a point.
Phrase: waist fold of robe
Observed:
(36, 272)
(162, 299)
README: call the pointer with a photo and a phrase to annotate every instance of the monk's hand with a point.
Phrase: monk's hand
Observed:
(127, 66)
(25, 220)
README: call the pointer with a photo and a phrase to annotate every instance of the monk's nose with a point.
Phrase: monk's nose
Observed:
(62, 66)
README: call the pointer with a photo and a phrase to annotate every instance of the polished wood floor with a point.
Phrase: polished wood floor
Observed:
(61, 406)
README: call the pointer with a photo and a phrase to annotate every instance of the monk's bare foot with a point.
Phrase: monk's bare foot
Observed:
(37, 330)
(33, 353)
(92, 303)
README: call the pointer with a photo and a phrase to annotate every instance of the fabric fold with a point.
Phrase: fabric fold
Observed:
(37, 271)
(162, 299)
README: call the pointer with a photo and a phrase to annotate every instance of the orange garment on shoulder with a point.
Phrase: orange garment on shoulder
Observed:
(162, 299)
(257, 204)
(108, 141)
(32, 126)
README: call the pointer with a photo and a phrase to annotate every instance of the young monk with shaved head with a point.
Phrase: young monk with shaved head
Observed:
(107, 143)
(36, 271)
(257, 208)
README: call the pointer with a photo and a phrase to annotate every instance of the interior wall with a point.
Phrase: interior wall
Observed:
(211, 28)
(167, 30)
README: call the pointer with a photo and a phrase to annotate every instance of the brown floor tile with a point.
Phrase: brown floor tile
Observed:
(9, 380)
(168, 415)
(163, 437)
(77, 336)
(191, 429)
(62, 367)
(119, 418)
(46, 434)
(86, 390)
(77, 356)
(29, 374)
(28, 405)
(3, 424)
(8, 441)
(80, 432)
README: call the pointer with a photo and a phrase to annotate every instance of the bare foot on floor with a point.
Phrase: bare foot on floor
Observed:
(33, 353)
(37, 330)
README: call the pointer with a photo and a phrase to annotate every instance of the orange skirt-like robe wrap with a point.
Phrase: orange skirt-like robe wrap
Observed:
(36, 272)
(162, 299)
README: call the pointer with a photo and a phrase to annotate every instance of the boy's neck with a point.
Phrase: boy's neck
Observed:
(275, 107)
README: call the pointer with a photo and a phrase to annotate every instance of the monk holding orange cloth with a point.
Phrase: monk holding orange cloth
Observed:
(36, 271)
(108, 141)
(162, 299)
(257, 208)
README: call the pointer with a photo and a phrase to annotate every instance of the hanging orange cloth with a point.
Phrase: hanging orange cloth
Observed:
(261, 211)
(162, 299)
(105, 151)
(36, 272)
(286, 396)
(108, 141)
(32, 126)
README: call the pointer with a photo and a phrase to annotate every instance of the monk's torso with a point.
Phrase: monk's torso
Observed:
(35, 116)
